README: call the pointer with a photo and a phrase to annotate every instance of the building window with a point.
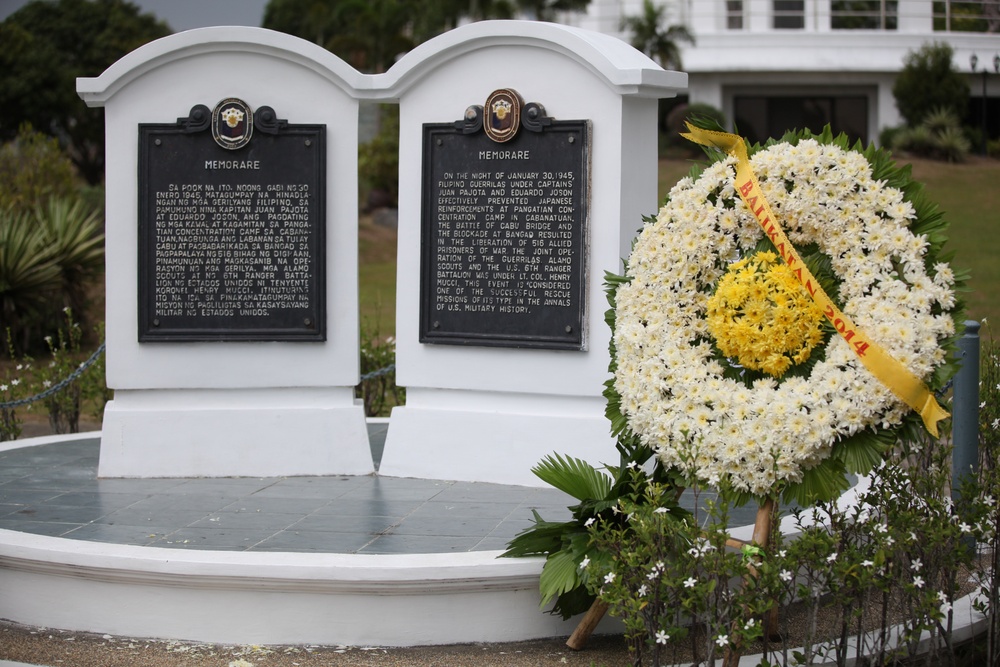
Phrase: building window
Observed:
(864, 14)
(761, 117)
(734, 14)
(970, 16)
(789, 14)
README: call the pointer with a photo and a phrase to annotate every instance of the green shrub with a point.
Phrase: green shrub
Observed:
(48, 260)
(378, 390)
(29, 275)
(32, 169)
(674, 124)
(929, 81)
(953, 145)
(939, 137)
(63, 406)
(378, 160)
(888, 136)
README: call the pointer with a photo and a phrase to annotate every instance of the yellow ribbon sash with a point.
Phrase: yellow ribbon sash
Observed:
(904, 384)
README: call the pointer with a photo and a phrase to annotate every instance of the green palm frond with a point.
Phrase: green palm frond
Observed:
(573, 476)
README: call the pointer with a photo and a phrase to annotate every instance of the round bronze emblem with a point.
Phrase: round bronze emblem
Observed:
(503, 115)
(232, 123)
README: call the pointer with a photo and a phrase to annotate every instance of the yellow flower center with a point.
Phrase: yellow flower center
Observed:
(761, 315)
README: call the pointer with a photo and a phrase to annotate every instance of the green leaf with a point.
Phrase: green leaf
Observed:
(573, 602)
(573, 476)
(863, 451)
(560, 574)
(541, 539)
(824, 482)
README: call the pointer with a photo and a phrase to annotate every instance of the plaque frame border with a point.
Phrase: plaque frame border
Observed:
(534, 122)
(199, 121)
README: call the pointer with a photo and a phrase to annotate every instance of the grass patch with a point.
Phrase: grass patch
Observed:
(377, 278)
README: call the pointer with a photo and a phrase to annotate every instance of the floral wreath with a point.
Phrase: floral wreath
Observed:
(722, 362)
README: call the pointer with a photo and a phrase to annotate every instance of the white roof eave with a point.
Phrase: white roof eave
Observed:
(97, 91)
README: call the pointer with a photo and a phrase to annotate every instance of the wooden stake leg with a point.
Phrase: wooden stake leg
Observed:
(586, 626)
(762, 538)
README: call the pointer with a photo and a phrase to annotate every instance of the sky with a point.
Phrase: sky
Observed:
(185, 14)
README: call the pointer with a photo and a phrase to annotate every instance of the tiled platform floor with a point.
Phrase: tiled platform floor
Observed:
(52, 489)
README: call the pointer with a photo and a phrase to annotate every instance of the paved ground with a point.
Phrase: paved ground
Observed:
(48, 648)
(53, 490)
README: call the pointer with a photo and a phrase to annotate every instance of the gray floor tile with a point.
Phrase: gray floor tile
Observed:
(144, 486)
(27, 495)
(171, 502)
(391, 488)
(337, 514)
(315, 491)
(214, 538)
(353, 507)
(107, 501)
(48, 528)
(116, 534)
(314, 542)
(255, 503)
(485, 510)
(332, 523)
(492, 543)
(131, 516)
(247, 521)
(58, 513)
(446, 526)
(419, 544)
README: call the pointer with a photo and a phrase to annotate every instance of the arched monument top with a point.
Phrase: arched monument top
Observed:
(627, 70)
(96, 91)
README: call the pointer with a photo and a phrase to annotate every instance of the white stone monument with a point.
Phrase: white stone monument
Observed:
(493, 391)
(224, 366)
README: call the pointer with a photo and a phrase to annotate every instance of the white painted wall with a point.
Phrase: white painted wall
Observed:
(230, 408)
(491, 413)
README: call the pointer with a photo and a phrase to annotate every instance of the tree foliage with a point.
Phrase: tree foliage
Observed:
(928, 82)
(371, 34)
(656, 40)
(46, 46)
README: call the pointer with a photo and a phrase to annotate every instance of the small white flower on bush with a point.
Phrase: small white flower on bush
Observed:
(690, 582)
(786, 575)
(918, 582)
(662, 637)
(585, 562)
(722, 640)
(609, 577)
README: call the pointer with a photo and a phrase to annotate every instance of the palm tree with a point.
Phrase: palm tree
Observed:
(649, 37)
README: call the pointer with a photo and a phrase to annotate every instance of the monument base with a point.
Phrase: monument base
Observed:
(234, 433)
(492, 437)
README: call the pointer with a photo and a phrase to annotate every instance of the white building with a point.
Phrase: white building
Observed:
(773, 65)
